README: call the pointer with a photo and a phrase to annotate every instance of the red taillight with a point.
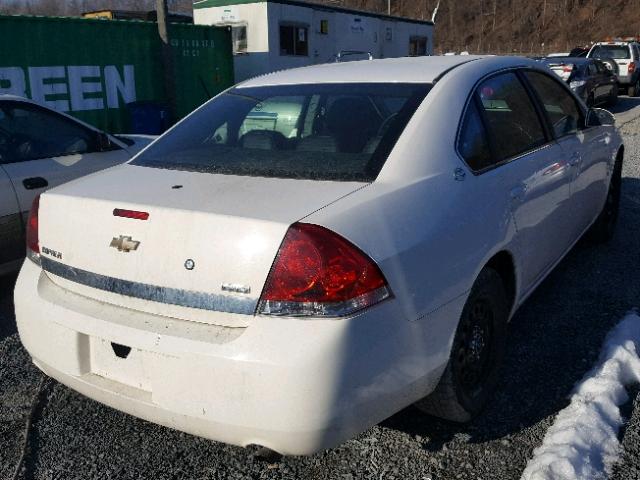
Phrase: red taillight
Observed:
(632, 67)
(318, 272)
(120, 212)
(33, 246)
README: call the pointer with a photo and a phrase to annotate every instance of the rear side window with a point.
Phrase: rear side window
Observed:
(511, 118)
(561, 108)
(472, 144)
(338, 132)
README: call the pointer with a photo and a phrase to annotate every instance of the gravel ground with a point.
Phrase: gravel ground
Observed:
(629, 465)
(554, 340)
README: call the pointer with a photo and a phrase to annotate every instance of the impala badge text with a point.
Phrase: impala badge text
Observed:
(53, 253)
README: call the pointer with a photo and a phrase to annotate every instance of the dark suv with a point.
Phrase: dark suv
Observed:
(592, 80)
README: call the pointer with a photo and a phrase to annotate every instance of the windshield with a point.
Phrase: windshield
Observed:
(323, 132)
(611, 51)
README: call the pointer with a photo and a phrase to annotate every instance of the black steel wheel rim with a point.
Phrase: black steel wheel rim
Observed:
(473, 356)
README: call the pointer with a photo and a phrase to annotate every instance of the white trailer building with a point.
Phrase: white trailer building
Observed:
(270, 35)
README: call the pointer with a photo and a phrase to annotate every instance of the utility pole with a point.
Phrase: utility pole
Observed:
(168, 72)
(495, 8)
(388, 7)
(481, 26)
(435, 12)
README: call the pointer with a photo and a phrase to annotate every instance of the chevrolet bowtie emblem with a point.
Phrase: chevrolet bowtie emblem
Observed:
(124, 244)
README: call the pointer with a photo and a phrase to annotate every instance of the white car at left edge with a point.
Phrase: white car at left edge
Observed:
(41, 148)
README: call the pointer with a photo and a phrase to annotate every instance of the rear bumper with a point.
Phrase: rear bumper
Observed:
(295, 386)
(626, 80)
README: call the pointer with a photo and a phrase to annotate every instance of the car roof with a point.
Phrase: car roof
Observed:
(15, 98)
(392, 70)
(620, 43)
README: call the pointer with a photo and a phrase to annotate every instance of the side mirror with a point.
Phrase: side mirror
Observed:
(104, 142)
(597, 117)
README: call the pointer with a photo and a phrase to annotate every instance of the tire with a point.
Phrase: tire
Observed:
(611, 64)
(604, 227)
(634, 89)
(478, 348)
(613, 97)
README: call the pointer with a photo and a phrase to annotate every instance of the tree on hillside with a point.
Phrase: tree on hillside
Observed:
(515, 26)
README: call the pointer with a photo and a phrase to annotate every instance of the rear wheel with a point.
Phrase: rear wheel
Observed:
(604, 227)
(478, 347)
(634, 89)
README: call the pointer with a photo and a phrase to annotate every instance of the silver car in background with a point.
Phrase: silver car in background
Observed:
(41, 148)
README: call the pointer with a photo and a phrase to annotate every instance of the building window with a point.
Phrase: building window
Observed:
(294, 40)
(324, 27)
(239, 38)
(418, 46)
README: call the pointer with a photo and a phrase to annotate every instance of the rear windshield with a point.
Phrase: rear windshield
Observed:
(611, 51)
(323, 132)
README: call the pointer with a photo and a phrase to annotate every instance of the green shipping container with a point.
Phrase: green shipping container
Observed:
(92, 68)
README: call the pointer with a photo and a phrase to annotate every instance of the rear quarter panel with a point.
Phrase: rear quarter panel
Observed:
(11, 231)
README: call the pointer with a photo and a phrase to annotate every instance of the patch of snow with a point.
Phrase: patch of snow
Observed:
(583, 441)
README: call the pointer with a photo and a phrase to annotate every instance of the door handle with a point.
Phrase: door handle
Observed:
(575, 159)
(34, 183)
(517, 193)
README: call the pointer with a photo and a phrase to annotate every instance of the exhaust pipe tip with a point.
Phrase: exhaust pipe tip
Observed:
(264, 454)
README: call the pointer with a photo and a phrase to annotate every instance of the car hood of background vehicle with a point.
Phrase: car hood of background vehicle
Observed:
(230, 226)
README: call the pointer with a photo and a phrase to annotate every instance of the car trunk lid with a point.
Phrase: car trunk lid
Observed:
(562, 69)
(203, 253)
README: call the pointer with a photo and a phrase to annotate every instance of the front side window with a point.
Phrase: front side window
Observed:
(561, 108)
(294, 40)
(340, 132)
(512, 121)
(28, 132)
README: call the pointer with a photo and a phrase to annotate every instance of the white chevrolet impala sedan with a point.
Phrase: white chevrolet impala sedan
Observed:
(314, 250)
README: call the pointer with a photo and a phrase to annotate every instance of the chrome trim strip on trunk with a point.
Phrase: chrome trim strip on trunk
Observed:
(173, 296)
